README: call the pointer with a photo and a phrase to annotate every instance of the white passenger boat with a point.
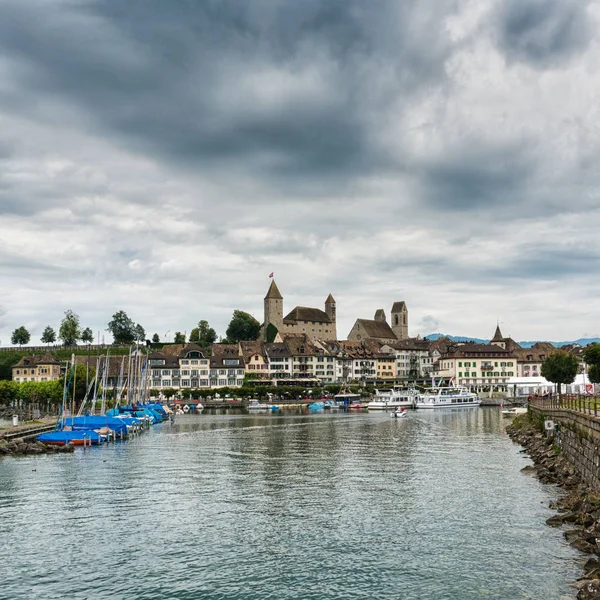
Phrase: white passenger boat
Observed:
(441, 397)
(397, 397)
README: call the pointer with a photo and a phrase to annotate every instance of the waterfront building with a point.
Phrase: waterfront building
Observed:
(255, 359)
(362, 363)
(179, 366)
(313, 322)
(475, 365)
(412, 358)
(279, 360)
(303, 356)
(226, 366)
(36, 368)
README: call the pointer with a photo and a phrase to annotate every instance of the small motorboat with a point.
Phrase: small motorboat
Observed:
(399, 413)
(514, 411)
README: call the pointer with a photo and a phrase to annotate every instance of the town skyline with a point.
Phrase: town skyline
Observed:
(345, 324)
(379, 152)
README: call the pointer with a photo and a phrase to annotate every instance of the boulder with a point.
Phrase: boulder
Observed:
(583, 546)
(590, 590)
(591, 565)
(572, 534)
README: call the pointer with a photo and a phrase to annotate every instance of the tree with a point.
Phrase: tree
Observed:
(242, 327)
(560, 367)
(179, 337)
(69, 331)
(594, 373)
(87, 336)
(20, 336)
(591, 355)
(48, 336)
(204, 334)
(140, 334)
(155, 339)
(122, 328)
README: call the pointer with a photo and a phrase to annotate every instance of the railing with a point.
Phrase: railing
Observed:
(589, 405)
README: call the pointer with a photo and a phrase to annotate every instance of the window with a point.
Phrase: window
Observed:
(460, 374)
(194, 372)
(240, 371)
(194, 362)
(222, 382)
(185, 383)
(185, 372)
(166, 383)
(166, 372)
(495, 364)
(460, 364)
(231, 361)
(185, 362)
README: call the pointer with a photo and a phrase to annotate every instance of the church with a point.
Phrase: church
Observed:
(314, 322)
(379, 329)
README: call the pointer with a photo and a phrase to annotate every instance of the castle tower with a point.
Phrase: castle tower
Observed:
(274, 308)
(331, 313)
(400, 320)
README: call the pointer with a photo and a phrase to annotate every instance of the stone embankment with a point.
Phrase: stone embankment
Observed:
(578, 509)
(19, 446)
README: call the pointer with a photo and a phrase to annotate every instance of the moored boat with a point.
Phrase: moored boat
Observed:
(78, 437)
(396, 397)
(446, 397)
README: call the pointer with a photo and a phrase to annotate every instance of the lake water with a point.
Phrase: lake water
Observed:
(340, 506)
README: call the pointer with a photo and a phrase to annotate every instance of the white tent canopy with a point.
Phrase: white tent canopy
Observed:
(540, 385)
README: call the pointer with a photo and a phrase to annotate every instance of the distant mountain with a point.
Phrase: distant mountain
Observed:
(527, 344)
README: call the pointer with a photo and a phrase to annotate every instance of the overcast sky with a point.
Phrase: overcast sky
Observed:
(164, 157)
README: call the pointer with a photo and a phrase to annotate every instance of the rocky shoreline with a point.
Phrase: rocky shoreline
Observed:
(578, 509)
(19, 446)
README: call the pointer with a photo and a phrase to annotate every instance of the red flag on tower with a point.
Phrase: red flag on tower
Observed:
(271, 276)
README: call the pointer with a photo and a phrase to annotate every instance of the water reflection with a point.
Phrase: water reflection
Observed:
(286, 505)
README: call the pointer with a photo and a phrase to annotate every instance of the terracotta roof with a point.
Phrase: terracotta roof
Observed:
(303, 313)
(468, 350)
(114, 363)
(377, 329)
(358, 350)
(330, 299)
(251, 348)
(277, 349)
(274, 292)
(299, 345)
(34, 361)
(225, 350)
(398, 306)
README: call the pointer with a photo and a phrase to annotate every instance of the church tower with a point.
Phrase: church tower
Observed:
(273, 308)
(331, 313)
(400, 320)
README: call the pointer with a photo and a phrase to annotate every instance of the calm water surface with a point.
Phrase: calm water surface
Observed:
(277, 507)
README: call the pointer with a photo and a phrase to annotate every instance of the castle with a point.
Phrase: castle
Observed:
(321, 325)
(314, 322)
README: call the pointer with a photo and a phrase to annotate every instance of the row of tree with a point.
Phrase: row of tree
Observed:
(561, 367)
(124, 330)
(69, 332)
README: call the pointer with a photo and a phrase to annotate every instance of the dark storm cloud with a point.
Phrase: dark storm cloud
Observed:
(176, 78)
(479, 175)
(543, 33)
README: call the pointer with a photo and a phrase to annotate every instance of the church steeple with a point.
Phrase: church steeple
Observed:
(498, 337)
